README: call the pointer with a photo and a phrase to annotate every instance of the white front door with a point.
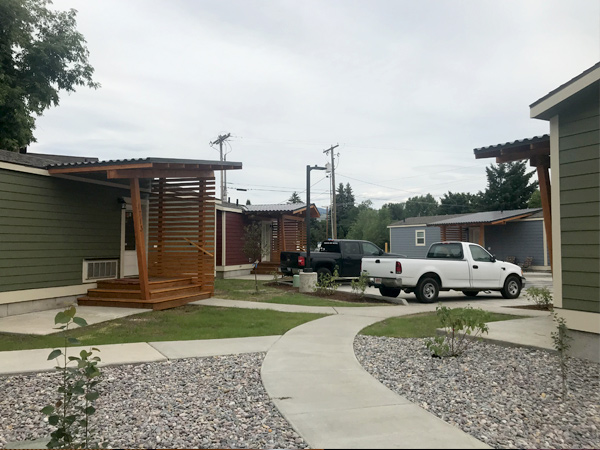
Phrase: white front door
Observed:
(129, 265)
(266, 235)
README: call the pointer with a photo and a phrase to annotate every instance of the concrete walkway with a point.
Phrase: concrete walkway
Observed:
(313, 377)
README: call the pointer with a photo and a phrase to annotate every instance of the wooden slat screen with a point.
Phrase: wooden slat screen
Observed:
(454, 233)
(180, 209)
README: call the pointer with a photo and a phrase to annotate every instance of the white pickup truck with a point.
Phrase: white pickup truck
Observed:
(460, 266)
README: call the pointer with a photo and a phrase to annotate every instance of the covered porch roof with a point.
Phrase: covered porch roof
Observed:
(183, 190)
(537, 151)
(487, 217)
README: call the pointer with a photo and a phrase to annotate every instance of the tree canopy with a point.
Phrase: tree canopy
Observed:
(508, 187)
(41, 54)
(458, 203)
(294, 198)
(421, 205)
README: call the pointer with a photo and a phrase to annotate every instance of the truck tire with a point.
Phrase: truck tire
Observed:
(389, 291)
(470, 293)
(512, 287)
(427, 291)
(321, 271)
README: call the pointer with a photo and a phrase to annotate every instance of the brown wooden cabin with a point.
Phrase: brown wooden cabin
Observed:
(176, 263)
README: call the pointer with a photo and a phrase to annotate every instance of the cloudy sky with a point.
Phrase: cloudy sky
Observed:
(406, 88)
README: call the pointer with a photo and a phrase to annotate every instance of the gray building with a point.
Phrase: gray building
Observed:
(518, 234)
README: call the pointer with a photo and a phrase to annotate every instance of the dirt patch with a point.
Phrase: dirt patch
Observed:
(534, 307)
(341, 296)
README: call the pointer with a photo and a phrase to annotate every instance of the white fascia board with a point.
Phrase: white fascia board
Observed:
(24, 169)
(564, 93)
(408, 226)
(44, 293)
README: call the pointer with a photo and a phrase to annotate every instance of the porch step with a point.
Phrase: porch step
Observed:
(131, 293)
(155, 304)
(134, 283)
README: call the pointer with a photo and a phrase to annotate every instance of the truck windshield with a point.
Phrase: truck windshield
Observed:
(446, 251)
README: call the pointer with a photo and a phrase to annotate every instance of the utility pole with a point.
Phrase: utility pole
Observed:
(333, 206)
(220, 140)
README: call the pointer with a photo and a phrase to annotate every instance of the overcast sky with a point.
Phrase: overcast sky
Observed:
(406, 88)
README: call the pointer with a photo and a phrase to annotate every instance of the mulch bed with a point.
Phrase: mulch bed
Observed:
(337, 295)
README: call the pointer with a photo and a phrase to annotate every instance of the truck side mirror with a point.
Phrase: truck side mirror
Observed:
(493, 258)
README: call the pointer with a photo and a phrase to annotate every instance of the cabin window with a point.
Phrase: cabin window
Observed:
(420, 238)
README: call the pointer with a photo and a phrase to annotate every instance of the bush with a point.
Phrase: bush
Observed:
(458, 324)
(542, 297)
(359, 285)
(77, 391)
(326, 283)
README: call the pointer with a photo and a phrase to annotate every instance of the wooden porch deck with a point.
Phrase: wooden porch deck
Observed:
(164, 293)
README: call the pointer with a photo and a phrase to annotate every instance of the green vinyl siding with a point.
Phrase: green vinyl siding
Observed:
(579, 156)
(48, 226)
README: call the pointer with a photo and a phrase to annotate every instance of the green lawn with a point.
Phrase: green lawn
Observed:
(177, 324)
(246, 290)
(419, 325)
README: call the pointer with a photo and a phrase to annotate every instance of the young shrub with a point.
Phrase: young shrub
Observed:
(253, 247)
(458, 324)
(561, 339)
(326, 284)
(359, 285)
(77, 390)
(542, 297)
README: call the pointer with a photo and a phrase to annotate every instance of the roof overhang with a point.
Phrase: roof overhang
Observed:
(532, 148)
(145, 168)
(547, 106)
(486, 218)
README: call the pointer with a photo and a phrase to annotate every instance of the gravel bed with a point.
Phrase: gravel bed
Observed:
(214, 402)
(505, 397)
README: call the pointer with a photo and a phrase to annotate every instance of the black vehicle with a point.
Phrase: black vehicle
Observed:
(343, 254)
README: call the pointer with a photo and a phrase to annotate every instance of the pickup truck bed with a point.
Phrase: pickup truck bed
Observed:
(461, 266)
(343, 255)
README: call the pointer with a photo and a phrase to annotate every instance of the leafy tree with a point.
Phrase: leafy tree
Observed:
(346, 209)
(371, 224)
(41, 53)
(458, 203)
(248, 202)
(535, 201)
(396, 210)
(252, 246)
(421, 205)
(508, 186)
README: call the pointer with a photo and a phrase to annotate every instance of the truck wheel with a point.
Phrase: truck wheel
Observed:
(512, 287)
(427, 290)
(322, 271)
(470, 293)
(389, 291)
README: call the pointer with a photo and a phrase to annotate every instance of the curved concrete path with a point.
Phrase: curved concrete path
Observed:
(316, 382)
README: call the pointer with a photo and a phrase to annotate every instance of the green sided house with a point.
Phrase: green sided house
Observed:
(573, 111)
(134, 233)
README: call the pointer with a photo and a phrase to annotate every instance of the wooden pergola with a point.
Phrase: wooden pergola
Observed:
(181, 227)
(537, 151)
(288, 227)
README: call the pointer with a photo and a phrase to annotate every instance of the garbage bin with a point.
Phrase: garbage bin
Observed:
(296, 280)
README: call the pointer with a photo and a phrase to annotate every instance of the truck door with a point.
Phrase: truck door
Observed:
(351, 259)
(485, 272)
